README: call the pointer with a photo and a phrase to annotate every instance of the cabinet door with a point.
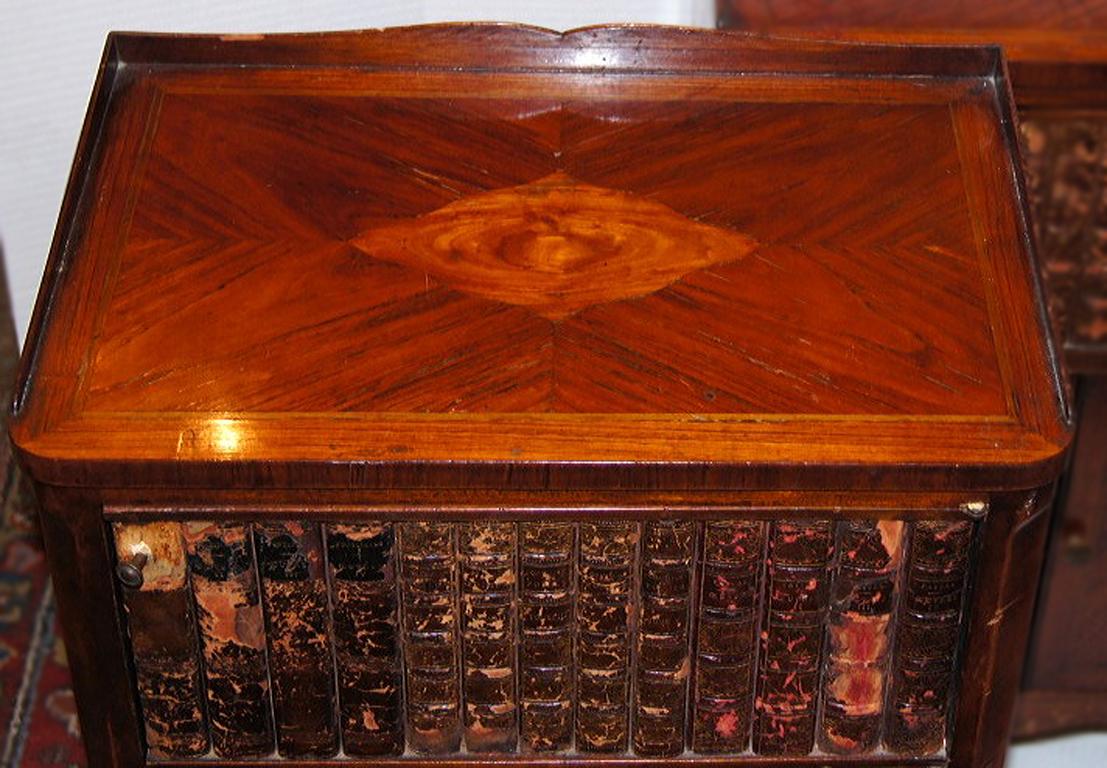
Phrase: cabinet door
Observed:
(783, 632)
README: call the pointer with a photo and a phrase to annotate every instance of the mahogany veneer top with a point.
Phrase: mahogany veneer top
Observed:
(527, 251)
(1057, 48)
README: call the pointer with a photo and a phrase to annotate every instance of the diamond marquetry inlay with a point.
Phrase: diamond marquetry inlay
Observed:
(556, 245)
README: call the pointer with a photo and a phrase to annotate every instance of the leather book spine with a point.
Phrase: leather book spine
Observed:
(488, 573)
(928, 634)
(547, 600)
(606, 565)
(730, 586)
(663, 663)
(301, 660)
(792, 629)
(863, 605)
(364, 606)
(163, 639)
(232, 632)
(429, 579)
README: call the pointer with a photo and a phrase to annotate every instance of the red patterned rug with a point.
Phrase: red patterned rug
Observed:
(36, 701)
(38, 720)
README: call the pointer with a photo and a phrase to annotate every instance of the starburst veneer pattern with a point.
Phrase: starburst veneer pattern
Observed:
(535, 255)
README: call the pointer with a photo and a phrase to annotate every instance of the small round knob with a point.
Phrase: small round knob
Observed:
(130, 571)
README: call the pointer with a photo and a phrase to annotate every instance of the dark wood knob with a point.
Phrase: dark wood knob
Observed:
(130, 571)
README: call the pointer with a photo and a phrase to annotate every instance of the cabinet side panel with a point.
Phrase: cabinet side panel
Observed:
(81, 550)
(1005, 570)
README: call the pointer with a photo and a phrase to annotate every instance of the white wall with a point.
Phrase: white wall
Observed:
(49, 51)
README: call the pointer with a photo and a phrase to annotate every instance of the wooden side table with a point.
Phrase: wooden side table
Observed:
(475, 395)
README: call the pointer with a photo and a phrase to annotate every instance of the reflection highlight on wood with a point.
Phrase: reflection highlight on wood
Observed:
(556, 245)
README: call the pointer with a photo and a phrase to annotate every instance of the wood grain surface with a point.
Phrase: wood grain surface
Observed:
(1045, 39)
(938, 14)
(331, 264)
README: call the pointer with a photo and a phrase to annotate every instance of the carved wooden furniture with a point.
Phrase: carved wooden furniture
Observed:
(1057, 56)
(483, 393)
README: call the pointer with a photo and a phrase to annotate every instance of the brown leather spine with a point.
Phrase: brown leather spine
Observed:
(547, 599)
(663, 663)
(859, 634)
(163, 640)
(361, 559)
(232, 633)
(731, 566)
(301, 661)
(606, 566)
(926, 648)
(488, 574)
(792, 637)
(430, 608)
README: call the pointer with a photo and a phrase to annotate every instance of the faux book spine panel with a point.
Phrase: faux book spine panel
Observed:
(731, 570)
(792, 631)
(1066, 179)
(606, 570)
(929, 627)
(663, 659)
(865, 593)
(162, 628)
(298, 631)
(488, 574)
(232, 635)
(362, 564)
(547, 606)
(777, 638)
(431, 637)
